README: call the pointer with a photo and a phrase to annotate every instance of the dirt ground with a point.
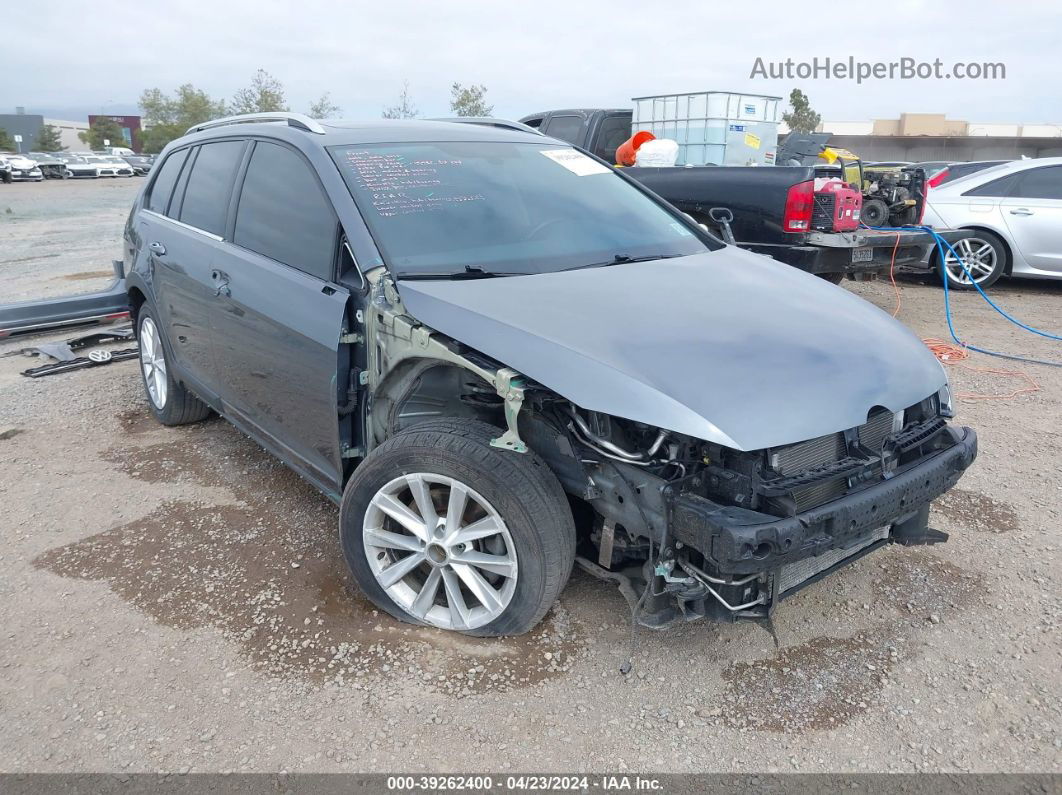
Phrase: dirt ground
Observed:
(173, 599)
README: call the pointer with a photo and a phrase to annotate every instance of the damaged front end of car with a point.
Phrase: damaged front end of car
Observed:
(687, 528)
(709, 532)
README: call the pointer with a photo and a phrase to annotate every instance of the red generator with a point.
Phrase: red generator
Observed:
(837, 206)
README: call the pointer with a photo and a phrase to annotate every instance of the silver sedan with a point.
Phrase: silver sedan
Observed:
(1015, 212)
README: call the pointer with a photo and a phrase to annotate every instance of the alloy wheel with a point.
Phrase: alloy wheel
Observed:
(440, 551)
(979, 257)
(153, 362)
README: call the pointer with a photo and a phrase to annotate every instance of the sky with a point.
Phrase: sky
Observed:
(531, 56)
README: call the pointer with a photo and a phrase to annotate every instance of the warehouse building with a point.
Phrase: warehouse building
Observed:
(917, 137)
(28, 126)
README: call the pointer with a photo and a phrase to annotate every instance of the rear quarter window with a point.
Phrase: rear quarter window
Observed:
(162, 188)
(998, 187)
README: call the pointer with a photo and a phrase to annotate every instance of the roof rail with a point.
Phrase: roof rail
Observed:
(490, 121)
(297, 120)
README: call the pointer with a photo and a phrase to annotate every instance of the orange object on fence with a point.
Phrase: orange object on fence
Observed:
(629, 148)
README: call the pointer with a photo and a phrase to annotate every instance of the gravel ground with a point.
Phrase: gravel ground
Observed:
(174, 599)
(60, 236)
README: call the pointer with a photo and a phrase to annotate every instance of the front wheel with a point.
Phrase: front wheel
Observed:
(442, 529)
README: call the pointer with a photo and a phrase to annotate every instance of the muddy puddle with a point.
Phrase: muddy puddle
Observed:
(269, 573)
(820, 684)
(974, 511)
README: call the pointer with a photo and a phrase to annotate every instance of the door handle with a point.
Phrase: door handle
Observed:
(1021, 211)
(157, 248)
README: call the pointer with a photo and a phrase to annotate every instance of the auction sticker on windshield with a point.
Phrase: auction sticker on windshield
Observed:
(576, 162)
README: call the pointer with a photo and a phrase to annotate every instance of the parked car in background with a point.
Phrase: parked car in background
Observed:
(50, 165)
(141, 164)
(940, 172)
(110, 165)
(23, 169)
(468, 335)
(77, 166)
(1015, 212)
(5, 170)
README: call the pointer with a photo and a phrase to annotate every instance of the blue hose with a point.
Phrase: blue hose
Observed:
(941, 243)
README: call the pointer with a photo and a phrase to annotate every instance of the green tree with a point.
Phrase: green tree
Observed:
(469, 101)
(405, 109)
(802, 118)
(166, 117)
(324, 108)
(264, 95)
(103, 129)
(7, 143)
(48, 140)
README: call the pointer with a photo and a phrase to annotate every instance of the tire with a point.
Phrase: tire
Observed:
(832, 278)
(875, 212)
(985, 256)
(169, 400)
(528, 504)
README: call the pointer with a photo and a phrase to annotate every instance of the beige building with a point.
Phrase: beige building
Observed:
(932, 136)
(68, 131)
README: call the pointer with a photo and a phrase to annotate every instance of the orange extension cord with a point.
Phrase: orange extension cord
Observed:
(952, 355)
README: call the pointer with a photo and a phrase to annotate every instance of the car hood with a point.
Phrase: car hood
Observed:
(727, 346)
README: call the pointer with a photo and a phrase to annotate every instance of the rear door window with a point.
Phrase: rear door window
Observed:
(162, 188)
(206, 197)
(284, 213)
(567, 128)
(1040, 183)
(610, 135)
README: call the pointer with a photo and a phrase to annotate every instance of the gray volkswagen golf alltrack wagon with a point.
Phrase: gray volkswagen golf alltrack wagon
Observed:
(501, 356)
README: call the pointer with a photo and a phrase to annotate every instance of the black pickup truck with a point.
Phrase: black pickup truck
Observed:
(771, 208)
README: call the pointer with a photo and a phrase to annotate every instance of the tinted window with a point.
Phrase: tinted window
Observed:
(163, 186)
(283, 213)
(997, 187)
(613, 131)
(441, 207)
(1040, 183)
(206, 198)
(567, 128)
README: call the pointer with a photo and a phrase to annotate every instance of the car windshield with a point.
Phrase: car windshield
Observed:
(443, 208)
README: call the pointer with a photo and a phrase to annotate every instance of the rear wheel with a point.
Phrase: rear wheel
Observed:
(170, 401)
(833, 278)
(981, 261)
(440, 528)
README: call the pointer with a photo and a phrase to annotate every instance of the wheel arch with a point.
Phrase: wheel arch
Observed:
(1008, 252)
(421, 389)
(137, 299)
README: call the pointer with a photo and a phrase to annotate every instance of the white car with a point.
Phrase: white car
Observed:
(1015, 212)
(78, 166)
(110, 165)
(22, 168)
